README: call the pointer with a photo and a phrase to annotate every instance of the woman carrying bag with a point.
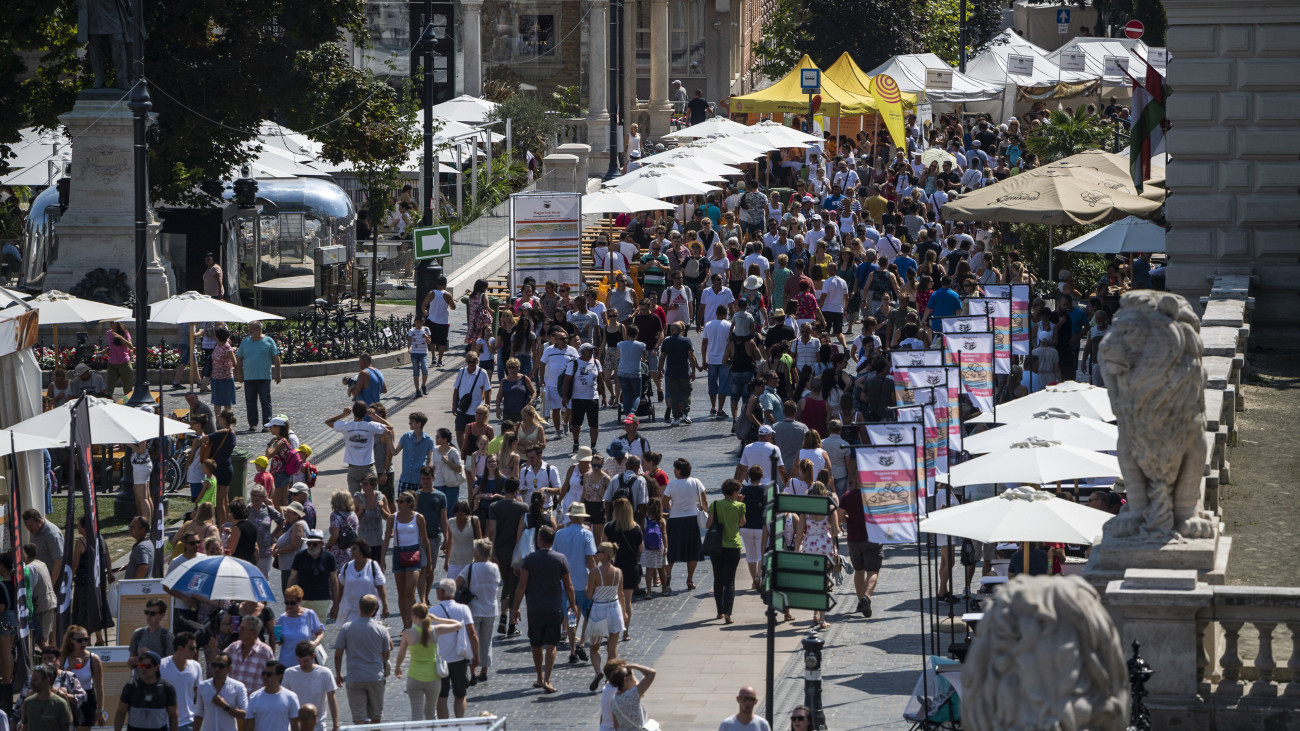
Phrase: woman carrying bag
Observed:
(722, 546)
(423, 682)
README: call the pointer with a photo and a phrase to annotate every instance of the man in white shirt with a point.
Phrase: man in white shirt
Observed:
(555, 362)
(537, 474)
(717, 332)
(222, 699)
(888, 246)
(676, 300)
(272, 707)
(845, 177)
(474, 382)
(756, 257)
(313, 684)
(451, 649)
(583, 377)
(814, 234)
(359, 441)
(711, 299)
(834, 292)
(761, 453)
(185, 674)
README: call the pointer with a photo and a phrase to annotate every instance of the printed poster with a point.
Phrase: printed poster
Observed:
(117, 673)
(998, 312)
(132, 594)
(903, 432)
(547, 233)
(1019, 296)
(888, 479)
(973, 354)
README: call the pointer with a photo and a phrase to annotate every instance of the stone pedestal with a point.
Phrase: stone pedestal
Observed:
(581, 169)
(98, 229)
(1158, 609)
(471, 14)
(1208, 557)
(559, 174)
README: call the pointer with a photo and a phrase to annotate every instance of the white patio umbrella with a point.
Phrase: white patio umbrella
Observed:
(935, 154)
(60, 308)
(1126, 236)
(10, 296)
(1034, 462)
(683, 158)
(1056, 425)
(711, 126)
(748, 144)
(1081, 398)
(190, 307)
(110, 423)
(466, 109)
(790, 133)
(717, 152)
(674, 168)
(771, 140)
(613, 200)
(13, 442)
(660, 185)
(1021, 514)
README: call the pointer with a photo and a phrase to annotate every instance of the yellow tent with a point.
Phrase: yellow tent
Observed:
(846, 73)
(786, 97)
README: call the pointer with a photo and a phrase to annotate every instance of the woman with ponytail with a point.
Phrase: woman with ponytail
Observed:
(422, 681)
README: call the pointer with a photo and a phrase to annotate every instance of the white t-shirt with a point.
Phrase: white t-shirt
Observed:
(557, 361)
(760, 453)
(419, 339)
(764, 266)
(233, 693)
(757, 723)
(585, 375)
(835, 290)
(484, 579)
(186, 682)
(812, 236)
(473, 384)
(712, 300)
(313, 688)
(448, 644)
(679, 297)
(607, 707)
(438, 312)
(717, 333)
(359, 440)
(273, 710)
(356, 584)
(685, 494)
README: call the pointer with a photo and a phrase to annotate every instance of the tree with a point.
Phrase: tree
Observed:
(943, 27)
(1067, 134)
(217, 69)
(532, 124)
(1152, 15)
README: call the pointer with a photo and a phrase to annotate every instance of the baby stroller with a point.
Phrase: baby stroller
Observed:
(645, 405)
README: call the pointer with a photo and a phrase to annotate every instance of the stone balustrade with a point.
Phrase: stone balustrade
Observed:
(1256, 675)
(1225, 332)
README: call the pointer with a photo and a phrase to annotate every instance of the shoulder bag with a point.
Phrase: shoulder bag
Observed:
(711, 546)
(463, 594)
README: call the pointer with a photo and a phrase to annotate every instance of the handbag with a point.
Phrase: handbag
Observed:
(463, 594)
(453, 477)
(525, 546)
(711, 546)
(702, 519)
(408, 558)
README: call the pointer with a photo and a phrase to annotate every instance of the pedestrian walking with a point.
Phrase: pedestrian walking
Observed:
(366, 645)
(148, 702)
(314, 685)
(222, 699)
(483, 580)
(315, 571)
(458, 649)
(418, 338)
(272, 706)
(75, 657)
(257, 363)
(359, 576)
(628, 705)
(729, 514)
(290, 540)
(374, 510)
(745, 720)
(249, 654)
(505, 524)
(411, 549)
(297, 624)
(422, 682)
(819, 534)
(45, 710)
(437, 307)
(545, 582)
(604, 619)
(578, 546)
(629, 539)
(359, 437)
(685, 500)
(183, 671)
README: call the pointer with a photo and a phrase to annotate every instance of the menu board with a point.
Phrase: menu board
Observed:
(116, 674)
(132, 594)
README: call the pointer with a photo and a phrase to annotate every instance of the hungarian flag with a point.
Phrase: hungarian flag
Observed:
(1150, 120)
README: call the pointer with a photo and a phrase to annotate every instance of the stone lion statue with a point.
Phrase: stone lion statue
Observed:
(1046, 657)
(1151, 360)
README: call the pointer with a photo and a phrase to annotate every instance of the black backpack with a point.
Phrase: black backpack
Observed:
(347, 536)
(623, 490)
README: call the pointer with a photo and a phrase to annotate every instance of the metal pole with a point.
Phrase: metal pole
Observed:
(140, 106)
(374, 266)
(460, 181)
(426, 39)
(771, 607)
(473, 163)
(510, 143)
(961, 52)
(612, 88)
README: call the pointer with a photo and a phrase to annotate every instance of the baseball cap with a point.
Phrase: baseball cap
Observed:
(634, 153)
(149, 656)
(277, 420)
(765, 430)
(587, 346)
(631, 419)
(298, 488)
(262, 461)
(80, 369)
(976, 143)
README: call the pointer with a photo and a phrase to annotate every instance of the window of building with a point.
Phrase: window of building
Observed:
(521, 33)
(686, 37)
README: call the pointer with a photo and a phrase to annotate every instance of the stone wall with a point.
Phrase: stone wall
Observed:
(1233, 177)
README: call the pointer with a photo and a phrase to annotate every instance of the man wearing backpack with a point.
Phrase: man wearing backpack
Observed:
(630, 485)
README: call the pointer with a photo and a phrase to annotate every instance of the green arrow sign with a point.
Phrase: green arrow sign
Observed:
(810, 504)
(433, 242)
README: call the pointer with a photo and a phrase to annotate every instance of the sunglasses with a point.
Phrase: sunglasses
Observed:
(192, 543)
(146, 666)
(219, 665)
(82, 640)
(798, 718)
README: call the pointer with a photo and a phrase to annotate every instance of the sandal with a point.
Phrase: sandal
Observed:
(823, 626)
(690, 585)
(627, 637)
(595, 683)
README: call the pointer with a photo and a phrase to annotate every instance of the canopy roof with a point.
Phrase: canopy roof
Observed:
(909, 72)
(786, 97)
(991, 64)
(1096, 50)
(846, 72)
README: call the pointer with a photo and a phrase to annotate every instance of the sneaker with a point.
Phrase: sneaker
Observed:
(713, 412)
(864, 606)
(514, 631)
(424, 390)
(661, 397)
(501, 626)
(575, 447)
(676, 422)
(686, 420)
(721, 415)
(573, 658)
(582, 654)
(177, 387)
(205, 388)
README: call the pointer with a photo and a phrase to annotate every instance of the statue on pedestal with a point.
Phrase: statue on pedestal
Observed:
(1151, 358)
(105, 27)
(1045, 656)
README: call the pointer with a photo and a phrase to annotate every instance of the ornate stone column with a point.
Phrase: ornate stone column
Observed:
(660, 109)
(472, 45)
(598, 65)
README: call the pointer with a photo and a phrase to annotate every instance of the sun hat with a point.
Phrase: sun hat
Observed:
(584, 454)
(616, 449)
(577, 510)
(752, 282)
(80, 369)
(315, 536)
(296, 509)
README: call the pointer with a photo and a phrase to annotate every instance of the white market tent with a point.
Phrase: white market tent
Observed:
(908, 72)
(1046, 81)
(1095, 51)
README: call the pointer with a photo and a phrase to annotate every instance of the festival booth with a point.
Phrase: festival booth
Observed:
(787, 97)
(910, 72)
(1027, 75)
(1106, 58)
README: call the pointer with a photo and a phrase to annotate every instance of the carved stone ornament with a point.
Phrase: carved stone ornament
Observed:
(110, 286)
(1151, 359)
(106, 163)
(1046, 656)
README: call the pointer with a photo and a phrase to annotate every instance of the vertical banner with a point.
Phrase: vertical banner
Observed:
(889, 100)
(888, 479)
(1020, 319)
(89, 608)
(157, 530)
(927, 385)
(925, 415)
(547, 232)
(998, 311)
(973, 354)
(908, 427)
(21, 657)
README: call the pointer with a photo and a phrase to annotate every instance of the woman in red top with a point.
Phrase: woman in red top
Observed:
(652, 469)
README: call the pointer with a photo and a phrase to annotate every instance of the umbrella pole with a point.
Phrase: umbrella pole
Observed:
(1024, 551)
(57, 360)
(1050, 230)
(193, 369)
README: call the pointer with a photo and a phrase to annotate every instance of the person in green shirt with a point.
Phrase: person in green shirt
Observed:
(729, 513)
(43, 710)
(654, 270)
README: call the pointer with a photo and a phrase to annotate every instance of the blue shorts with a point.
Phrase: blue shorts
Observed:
(739, 381)
(420, 363)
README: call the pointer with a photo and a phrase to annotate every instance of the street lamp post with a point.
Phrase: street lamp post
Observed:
(614, 89)
(140, 105)
(426, 38)
(961, 52)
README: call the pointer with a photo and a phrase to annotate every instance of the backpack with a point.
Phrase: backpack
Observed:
(654, 538)
(691, 268)
(347, 536)
(293, 462)
(624, 490)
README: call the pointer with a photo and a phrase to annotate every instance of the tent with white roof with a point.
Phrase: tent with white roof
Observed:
(908, 71)
(1095, 51)
(1045, 80)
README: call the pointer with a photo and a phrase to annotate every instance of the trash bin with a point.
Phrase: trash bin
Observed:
(239, 459)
